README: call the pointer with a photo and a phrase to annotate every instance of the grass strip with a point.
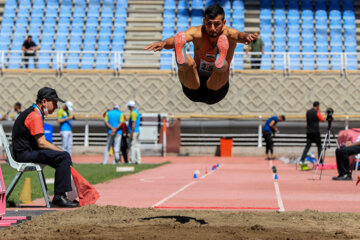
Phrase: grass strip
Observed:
(93, 173)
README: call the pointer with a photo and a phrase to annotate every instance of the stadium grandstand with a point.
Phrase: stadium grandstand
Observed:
(106, 34)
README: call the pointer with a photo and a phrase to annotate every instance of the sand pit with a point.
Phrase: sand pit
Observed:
(110, 222)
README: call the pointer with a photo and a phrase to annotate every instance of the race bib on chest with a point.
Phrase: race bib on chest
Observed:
(206, 67)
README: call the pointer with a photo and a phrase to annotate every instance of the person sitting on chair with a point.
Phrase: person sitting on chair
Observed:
(342, 159)
(30, 145)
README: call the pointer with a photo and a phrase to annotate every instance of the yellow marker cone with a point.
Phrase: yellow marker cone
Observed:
(25, 195)
(111, 152)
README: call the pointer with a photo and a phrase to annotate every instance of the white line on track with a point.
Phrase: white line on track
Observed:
(277, 191)
(182, 189)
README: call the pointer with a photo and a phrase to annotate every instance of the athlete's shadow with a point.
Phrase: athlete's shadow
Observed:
(180, 219)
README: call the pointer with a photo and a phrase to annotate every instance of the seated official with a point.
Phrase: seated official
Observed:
(30, 145)
(342, 159)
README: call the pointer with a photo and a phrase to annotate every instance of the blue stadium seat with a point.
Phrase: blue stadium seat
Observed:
(73, 61)
(238, 4)
(293, 15)
(93, 11)
(65, 11)
(87, 61)
(197, 4)
(238, 14)
(35, 30)
(25, 4)
(238, 61)
(107, 12)
(307, 14)
(265, 14)
(23, 12)
(209, 3)
(165, 61)
(169, 12)
(77, 21)
(22, 21)
(15, 59)
(349, 15)
(102, 61)
(183, 4)
(320, 15)
(21, 30)
(75, 39)
(351, 62)
(266, 62)
(80, 3)
(92, 21)
(169, 4)
(105, 30)
(47, 39)
(9, 12)
(50, 21)
(103, 47)
(35, 21)
(8, 21)
(11, 3)
(104, 39)
(4, 46)
(122, 3)
(46, 46)
(119, 38)
(89, 46)
(97, 2)
(106, 21)
(79, 12)
(118, 46)
(63, 30)
(121, 12)
(223, 3)
(120, 21)
(37, 12)
(322, 59)
(38, 4)
(91, 30)
(169, 21)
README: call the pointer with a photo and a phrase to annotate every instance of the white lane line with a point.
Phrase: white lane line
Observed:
(182, 189)
(277, 191)
(173, 194)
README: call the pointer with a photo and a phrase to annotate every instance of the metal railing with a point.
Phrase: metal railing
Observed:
(285, 61)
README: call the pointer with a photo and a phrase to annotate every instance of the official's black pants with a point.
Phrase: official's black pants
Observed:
(342, 158)
(312, 138)
(269, 142)
(61, 161)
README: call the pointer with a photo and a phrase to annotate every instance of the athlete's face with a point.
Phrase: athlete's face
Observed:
(214, 27)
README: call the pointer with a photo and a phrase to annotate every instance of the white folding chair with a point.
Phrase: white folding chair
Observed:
(356, 158)
(21, 168)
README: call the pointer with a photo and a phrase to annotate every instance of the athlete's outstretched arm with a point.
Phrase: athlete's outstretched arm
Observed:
(242, 37)
(169, 43)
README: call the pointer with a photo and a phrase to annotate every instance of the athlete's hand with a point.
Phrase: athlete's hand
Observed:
(249, 38)
(156, 46)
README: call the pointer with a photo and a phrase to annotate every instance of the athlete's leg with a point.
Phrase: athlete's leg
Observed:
(188, 75)
(220, 74)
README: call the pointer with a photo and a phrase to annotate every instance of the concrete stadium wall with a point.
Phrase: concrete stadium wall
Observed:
(260, 92)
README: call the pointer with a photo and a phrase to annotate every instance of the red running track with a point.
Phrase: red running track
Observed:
(240, 183)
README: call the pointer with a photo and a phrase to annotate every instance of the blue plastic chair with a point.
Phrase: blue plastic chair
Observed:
(279, 4)
(265, 14)
(50, 21)
(73, 61)
(37, 12)
(197, 4)
(183, 4)
(169, 4)
(238, 4)
(106, 21)
(293, 4)
(120, 12)
(92, 21)
(87, 61)
(21, 21)
(7, 21)
(93, 11)
(334, 5)
(107, 12)
(265, 4)
(266, 62)
(77, 21)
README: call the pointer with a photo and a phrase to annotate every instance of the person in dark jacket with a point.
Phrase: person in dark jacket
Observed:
(313, 118)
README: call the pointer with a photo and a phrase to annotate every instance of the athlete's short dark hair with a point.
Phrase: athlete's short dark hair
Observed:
(283, 117)
(316, 104)
(213, 11)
